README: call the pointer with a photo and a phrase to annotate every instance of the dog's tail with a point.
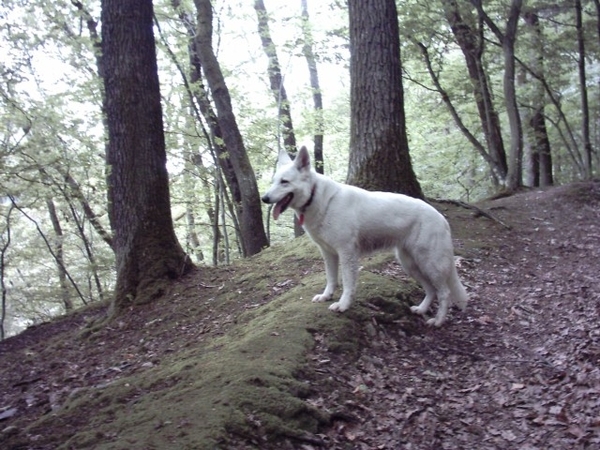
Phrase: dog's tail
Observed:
(458, 292)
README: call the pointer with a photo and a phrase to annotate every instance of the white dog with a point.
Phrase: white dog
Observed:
(347, 222)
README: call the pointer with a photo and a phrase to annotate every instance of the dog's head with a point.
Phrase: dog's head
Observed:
(292, 183)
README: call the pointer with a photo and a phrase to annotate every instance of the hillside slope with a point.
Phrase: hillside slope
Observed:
(238, 357)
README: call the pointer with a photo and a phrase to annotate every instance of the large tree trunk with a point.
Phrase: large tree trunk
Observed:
(379, 157)
(471, 43)
(307, 50)
(254, 238)
(147, 251)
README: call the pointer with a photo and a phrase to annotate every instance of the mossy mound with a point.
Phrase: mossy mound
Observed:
(238, 382)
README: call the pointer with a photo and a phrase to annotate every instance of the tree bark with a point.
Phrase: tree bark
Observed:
(148, 253)
(307, 50)
(253, 235)
(87, 245)
(5, 245)
(471, 43)
(453, 112)
(514, 175)
(201, 108)
(276, 78)
(379, 157)
(59, 255)
(277, 88)
(539, 161)
(585, 110)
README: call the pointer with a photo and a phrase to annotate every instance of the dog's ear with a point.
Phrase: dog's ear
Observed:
(283, 158)
(302, 160)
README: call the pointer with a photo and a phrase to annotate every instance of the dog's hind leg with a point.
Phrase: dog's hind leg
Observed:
(430, 296)
(443, 295)
(331, 271)
(411, 269)
(349, 262)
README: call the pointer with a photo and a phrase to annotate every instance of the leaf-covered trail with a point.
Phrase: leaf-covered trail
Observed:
(519, 369)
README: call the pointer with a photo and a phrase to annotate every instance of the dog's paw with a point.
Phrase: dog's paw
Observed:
(321, 298)
(416, 310)
(337, 306)
(435, 322)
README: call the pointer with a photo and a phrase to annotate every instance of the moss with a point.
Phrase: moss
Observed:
(242, 382)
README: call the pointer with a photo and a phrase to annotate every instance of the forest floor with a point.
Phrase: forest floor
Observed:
(239, 358)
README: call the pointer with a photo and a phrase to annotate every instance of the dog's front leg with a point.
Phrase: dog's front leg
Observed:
(349, 277)
(331, 271)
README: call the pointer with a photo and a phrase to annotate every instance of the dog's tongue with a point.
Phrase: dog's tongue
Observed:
(277, 210)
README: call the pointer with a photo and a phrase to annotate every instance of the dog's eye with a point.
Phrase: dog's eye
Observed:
(285, 182)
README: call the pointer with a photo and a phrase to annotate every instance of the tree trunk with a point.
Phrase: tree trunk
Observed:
(471, 44)
(87, 245)
(277, 88)
(453, 112)
(379, 157)
(3, 251)
(542, 146)
(514, 176)
(58, 255)
(201, 108)
(515, 161)
(307, 50)
(253, 235)
(275, 78)
(585, 110)
(147, 251)
(539, 171)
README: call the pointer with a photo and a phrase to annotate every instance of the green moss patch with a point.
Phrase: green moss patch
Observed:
(239, 380)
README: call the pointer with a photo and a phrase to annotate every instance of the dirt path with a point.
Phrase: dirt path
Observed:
(519, 369)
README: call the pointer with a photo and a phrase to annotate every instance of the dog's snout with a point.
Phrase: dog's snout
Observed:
(265, 198)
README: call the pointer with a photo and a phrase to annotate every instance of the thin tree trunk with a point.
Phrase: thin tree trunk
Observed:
(58, 252)
(254, 238)
(201, 108)
(276, 78)
(215, 225)
(319, 128)
(471, 44)
(585, 110)
(226, 247)
(540, 171)
(569, 140)
(453, 112)
(3, 250)
(75, 191)
(514, 177)
(88, 251)
(49, 247)
(277, 88)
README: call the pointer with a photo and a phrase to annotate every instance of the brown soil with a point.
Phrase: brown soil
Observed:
(518, 370)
